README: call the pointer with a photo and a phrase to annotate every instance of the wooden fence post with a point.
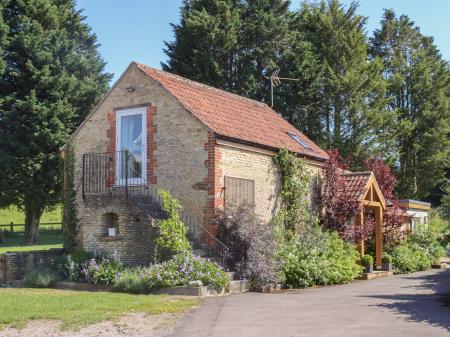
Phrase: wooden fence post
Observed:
(11, 226)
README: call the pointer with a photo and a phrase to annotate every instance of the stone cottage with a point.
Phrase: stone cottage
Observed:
(206, 146)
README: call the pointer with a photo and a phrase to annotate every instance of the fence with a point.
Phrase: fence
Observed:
(20, 228)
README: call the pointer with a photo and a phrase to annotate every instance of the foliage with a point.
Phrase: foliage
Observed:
(172, 230)
(318, 257)
(418, 252)
(234, 44)
(181, 270)
(339, 206)
(69, 219)
(445, 202)
(75, 309)
(438, 227)
(367, 260)
(133, 280)
(417, 88)
(386, 258)
(40, 277)
(295, 187)
(352, 90)
(429, 242)
(410, 257)
(51, 76)
(252, 245)
(89, 267)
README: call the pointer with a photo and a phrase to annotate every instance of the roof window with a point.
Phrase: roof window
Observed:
(299, 141)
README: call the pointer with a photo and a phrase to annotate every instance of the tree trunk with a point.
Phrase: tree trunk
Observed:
(33, 215)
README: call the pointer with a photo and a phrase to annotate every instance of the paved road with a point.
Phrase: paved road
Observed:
(409, 305)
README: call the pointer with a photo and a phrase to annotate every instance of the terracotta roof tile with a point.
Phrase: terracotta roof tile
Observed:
(233, 116)
(356, 183)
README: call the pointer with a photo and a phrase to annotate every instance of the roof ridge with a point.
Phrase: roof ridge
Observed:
(358, 173)
(205, 86)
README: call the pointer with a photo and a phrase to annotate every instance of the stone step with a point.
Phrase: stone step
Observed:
(239, 286)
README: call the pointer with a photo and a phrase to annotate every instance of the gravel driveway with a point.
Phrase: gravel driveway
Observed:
(405, 305)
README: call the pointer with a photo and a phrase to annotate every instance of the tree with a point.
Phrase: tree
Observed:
(445, 202)
(352, 92)
(53, 77)
(206, 43)
(418, 81)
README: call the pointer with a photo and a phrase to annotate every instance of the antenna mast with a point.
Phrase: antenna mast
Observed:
(275, 81)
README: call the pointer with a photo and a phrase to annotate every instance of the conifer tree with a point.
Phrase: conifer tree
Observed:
(418, 91)
(52, 79)
(351, 94)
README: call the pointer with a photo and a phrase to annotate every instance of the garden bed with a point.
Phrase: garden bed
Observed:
(202, 291)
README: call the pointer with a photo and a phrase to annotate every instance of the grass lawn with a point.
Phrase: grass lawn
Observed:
(12, 214)
(47, 239)
(78, 308)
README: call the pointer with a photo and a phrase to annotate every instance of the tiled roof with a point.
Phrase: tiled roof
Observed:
(356, 183)
(235, 117)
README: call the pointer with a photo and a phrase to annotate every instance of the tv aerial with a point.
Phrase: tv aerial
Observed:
(275, 81)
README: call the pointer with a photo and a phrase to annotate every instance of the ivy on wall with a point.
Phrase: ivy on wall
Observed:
(294, 191)
(172, 230)
(69, 216)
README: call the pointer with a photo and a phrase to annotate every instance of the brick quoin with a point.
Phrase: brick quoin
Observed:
(214, 198)
(151, 145)
(111, 133)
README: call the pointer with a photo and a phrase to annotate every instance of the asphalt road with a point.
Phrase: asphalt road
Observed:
(405, 305)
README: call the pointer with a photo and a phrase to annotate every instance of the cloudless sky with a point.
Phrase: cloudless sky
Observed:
(135, 30)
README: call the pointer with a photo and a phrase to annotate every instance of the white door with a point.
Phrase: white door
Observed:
(131, 147)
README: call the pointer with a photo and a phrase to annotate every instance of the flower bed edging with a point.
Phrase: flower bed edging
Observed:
(202, 291)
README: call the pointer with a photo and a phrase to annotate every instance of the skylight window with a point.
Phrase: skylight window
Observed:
(299, 141)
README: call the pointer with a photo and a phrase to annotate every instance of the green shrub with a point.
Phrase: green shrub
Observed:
(386, 258)
(133, 280)
(182, 270)
(172, 231)
(318, 257)
(367, 260)
(40, 277)
(410, 257)
(102, 271)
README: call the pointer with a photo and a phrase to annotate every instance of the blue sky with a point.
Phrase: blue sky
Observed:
(136, 30)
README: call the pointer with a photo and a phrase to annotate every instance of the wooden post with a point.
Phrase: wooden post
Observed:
(360, 222)
(378, 236)
(11, 226)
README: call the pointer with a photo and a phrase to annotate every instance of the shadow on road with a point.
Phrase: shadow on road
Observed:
(432, 307)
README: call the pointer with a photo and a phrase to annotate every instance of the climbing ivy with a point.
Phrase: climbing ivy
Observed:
(172, 230)
(294, 190)
(69, 216)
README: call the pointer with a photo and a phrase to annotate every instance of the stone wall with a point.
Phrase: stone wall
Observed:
(136, 231)
(177, 158)
(14, 264)
(247, 162)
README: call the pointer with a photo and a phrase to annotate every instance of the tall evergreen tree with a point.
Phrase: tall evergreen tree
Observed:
(53, 77)
(351, 94)
(235, 45)
(206, 43)
(418, 92)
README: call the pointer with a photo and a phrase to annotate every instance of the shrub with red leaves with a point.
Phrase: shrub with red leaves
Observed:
(339, 208)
